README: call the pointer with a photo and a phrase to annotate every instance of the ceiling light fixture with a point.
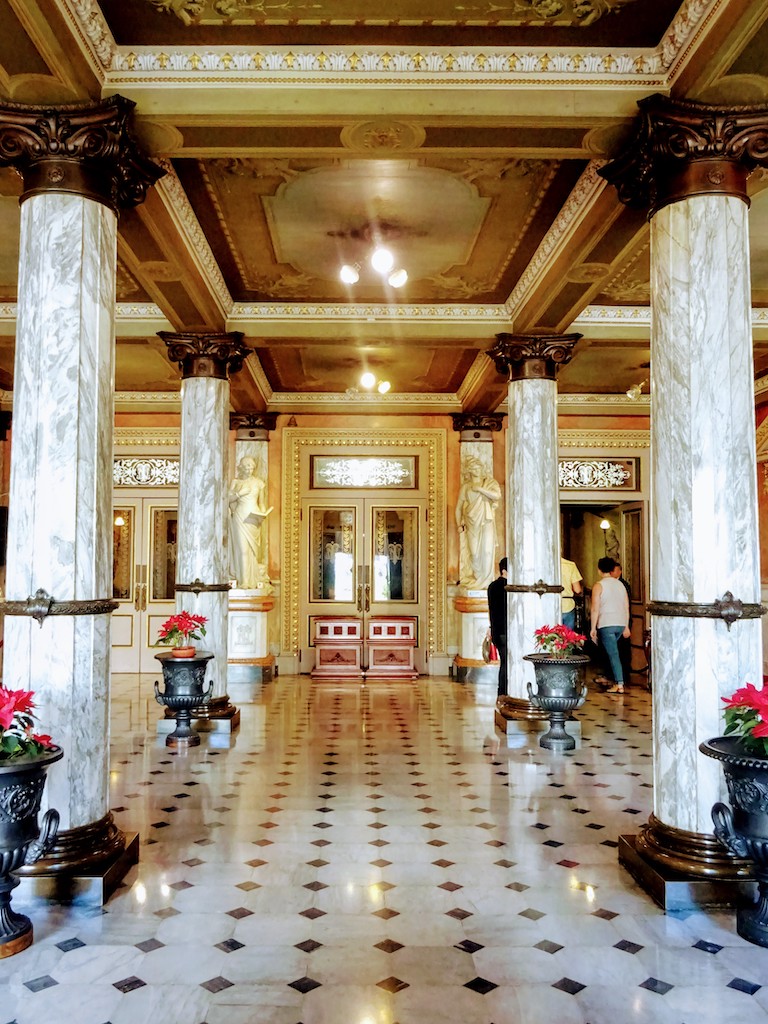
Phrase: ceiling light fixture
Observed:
(382, 261)
(369, 381)
(636, 390)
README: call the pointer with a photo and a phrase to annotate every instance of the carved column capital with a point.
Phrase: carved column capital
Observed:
(206, 355)
(252, 426)
(477, 421)
(532, 356)
(80, 148)
(682, 148)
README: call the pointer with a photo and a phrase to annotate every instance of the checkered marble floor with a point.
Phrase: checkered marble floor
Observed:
(381, 855)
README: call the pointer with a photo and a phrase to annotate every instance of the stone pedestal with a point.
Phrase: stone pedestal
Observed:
(472, 606)
(249, 659)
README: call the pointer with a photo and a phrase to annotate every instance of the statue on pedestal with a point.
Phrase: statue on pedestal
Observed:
(479, 497)
(247, 512)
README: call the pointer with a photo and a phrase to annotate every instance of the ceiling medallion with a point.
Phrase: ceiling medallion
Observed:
(382, 135)
(588, 273)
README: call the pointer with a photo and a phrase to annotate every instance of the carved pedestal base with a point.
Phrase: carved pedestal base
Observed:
(684, 870)
(85, 864)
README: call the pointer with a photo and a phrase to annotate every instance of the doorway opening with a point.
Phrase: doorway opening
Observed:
(591, 531)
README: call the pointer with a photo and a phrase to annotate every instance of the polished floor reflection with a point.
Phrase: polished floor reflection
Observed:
(381, 855)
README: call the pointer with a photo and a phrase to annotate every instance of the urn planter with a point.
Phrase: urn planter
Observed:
(743, 827)
(21, 840)
(184, 680)
(560, 690)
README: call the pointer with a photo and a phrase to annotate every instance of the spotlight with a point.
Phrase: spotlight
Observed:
(382, 260)
(349, 274)
(636, 390)
(398, 278)
(383, 387)
(367, 380)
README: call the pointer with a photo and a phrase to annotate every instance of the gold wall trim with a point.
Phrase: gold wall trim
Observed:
(432, 443)
(604, 438)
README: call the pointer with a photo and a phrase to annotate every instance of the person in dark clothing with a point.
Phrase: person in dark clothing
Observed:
(497, 611)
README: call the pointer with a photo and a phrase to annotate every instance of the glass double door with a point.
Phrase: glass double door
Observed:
(363, 557)
(144, 532)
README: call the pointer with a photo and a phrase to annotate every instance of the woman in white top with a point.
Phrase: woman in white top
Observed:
(610, 618)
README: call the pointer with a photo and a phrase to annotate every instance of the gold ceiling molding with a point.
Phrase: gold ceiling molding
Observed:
(138, 311)
(347, 312)
(92, 30)
(615, 316)
(256, 370)
(362, 401)
(604, 438)
(474, 377)
(585, 192)
(142, 397)
(170, 188)
(155, 437)
(648, 68)
(643, 403)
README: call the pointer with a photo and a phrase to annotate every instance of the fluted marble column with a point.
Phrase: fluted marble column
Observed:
(704, 527)
(78, 165)
(530, 363)
(202, 572)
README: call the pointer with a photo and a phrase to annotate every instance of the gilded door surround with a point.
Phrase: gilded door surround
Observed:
(431, 445)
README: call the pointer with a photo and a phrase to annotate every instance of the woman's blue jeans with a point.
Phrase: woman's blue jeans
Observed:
(609, 638)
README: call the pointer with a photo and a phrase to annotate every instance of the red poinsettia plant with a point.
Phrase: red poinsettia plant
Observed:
(17, 726)
(180, 629)
(746, 716)
(558, 641)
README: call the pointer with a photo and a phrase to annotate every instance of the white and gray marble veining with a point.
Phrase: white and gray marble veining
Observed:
(59, 530)
(202, 543)
(533, 519)
(704, 528)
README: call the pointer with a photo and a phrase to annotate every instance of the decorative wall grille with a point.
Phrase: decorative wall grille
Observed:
(598, 474)
(145, 472)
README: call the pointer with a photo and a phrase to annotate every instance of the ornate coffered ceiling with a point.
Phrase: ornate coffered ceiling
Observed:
(468, 136)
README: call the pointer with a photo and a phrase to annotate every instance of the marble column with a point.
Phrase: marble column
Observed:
(689, 163)
(202, 571)
(476, 432)
(530, 363)
(250, 660)
(79, 165)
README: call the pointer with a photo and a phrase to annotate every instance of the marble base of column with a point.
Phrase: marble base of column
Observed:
(84, 866)
(684, 870)
(219, 715)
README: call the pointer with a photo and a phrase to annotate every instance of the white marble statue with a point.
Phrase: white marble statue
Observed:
(478, 500)
(247, 512)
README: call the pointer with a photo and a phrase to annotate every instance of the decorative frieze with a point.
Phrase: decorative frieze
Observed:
(597, 474)
(145, 472)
